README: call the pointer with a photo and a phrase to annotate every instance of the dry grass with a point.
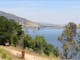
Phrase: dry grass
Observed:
(8, 54)
(34, 54)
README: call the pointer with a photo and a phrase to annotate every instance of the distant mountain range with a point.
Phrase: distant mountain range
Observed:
(26, 23)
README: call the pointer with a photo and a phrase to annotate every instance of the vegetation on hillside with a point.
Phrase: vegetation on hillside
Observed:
(11, 31)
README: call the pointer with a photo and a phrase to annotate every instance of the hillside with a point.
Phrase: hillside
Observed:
(22, 21)
(27, 23)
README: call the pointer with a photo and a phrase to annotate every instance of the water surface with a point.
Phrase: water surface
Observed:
(51, 35)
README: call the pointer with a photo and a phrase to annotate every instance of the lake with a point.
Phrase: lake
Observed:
(50, 34)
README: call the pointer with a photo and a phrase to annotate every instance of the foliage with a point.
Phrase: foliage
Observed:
(40, 43)
(15, 40)
(67, 39)
(27, 41)
(8, 28)
(41, 46)
(11, 31)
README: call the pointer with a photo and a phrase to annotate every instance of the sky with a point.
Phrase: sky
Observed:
(44, 11)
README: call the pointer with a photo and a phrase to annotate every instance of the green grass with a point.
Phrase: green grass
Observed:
(4, 55)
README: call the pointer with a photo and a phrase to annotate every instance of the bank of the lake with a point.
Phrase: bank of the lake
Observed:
(50, 34)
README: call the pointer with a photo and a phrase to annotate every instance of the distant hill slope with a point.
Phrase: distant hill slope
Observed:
(22, 21)
(26, 23)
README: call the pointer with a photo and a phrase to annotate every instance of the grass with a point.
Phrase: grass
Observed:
(6, 55)
(34, 54)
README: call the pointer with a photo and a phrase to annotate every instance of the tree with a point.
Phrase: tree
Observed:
(41, 46)
(67, 38)
(60, 38)
(11, 31)
(27, 41)
(39, 43)
(4, 29)
(15, 40)
(49, 49)
(56, 52)
(8, 28)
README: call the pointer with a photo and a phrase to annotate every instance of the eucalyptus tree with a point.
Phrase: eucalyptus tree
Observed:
(67, 39)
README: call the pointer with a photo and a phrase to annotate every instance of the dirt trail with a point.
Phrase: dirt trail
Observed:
(27, 56)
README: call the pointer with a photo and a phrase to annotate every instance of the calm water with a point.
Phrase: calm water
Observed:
(51, 35)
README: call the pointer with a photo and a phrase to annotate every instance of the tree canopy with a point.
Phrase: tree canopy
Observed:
(68, 41)
(11, 31)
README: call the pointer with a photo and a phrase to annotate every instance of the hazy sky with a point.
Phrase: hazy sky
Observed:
(45, 11)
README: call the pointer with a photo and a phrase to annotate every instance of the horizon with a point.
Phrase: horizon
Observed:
(49, 12)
